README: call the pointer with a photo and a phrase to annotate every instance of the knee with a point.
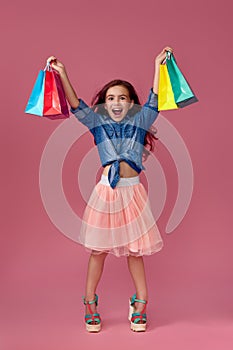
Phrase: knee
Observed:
(98, 255)
(134, 257)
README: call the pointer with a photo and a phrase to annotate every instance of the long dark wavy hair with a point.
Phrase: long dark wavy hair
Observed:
(98, 102)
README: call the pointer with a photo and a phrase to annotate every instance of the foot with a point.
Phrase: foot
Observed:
(139, 307)
(92, 318)
(93, 309)
(137, 314)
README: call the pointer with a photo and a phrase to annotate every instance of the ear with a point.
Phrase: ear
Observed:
(131, 104)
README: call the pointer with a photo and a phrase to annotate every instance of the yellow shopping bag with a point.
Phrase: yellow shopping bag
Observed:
(166, 98)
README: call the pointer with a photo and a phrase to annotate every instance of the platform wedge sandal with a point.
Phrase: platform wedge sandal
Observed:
(92, 320)
(138, 320)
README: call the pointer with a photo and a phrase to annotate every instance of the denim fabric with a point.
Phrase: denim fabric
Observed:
(117, 141)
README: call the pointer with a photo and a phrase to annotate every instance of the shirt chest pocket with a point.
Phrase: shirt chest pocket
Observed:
(109, 131)
(129, 131)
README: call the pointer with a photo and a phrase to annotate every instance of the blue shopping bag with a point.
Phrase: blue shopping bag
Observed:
(181, 89)
(35, 103)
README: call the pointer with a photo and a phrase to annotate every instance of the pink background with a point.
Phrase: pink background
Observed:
(42, 271)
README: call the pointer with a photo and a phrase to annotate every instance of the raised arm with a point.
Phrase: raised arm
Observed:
(68, 88)
(158, 60)
(149, 110)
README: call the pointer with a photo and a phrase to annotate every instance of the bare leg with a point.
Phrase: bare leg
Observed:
(137, 271)
(94, 273)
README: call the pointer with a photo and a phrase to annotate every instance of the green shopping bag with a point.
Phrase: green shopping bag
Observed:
(187, 102)
(181, 89)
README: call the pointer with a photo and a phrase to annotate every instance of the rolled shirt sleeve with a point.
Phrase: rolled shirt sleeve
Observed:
(149, 111)
(85, 114)
(152, 101)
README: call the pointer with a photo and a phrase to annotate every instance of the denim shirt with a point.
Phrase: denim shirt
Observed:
(119, 141)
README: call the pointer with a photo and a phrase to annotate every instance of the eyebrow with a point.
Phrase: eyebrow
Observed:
(117, 95)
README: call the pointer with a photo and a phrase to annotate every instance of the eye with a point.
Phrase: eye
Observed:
(109, 98)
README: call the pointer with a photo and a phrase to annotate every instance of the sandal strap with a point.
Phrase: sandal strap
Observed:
(138, 316)
(134, 299)
(92, 301)
(92, 316)
(89, 318)
(96, 314)
(141, 301)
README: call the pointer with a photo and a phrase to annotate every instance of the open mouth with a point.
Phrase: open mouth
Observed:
(117, 111)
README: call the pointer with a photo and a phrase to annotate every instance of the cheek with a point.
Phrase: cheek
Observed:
(127, 105)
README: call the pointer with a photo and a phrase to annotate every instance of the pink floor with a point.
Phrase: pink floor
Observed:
(63, 332)
(53, 322)
(42, 307)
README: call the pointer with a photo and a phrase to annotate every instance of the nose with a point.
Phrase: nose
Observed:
(116, 100)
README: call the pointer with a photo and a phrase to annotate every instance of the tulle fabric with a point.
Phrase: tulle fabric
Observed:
(119, 220)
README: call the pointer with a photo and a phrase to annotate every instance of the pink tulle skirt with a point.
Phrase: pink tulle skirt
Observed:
(119, 220)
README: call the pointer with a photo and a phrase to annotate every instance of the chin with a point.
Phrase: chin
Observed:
(117, 119)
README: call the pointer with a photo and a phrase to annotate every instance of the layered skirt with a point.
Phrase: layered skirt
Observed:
(119, 220)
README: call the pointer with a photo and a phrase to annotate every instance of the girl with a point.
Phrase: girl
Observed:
(118, 218)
